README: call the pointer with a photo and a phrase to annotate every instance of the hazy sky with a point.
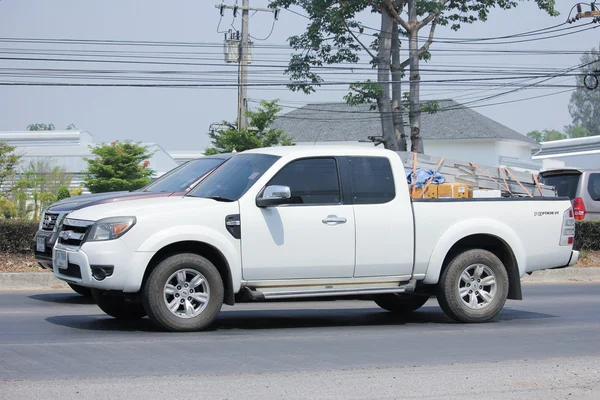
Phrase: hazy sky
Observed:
(178, 119)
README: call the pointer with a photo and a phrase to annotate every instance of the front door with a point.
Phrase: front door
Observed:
(313, 237)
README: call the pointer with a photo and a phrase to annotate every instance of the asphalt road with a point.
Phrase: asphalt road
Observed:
(57, 344)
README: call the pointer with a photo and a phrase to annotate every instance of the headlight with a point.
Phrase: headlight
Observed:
(110, 228)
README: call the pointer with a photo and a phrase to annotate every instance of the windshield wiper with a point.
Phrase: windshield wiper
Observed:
(220, 198)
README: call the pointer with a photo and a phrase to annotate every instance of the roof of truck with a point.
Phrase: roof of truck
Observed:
(319, 150)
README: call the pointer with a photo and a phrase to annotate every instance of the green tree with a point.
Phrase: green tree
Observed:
(40, 127)
(576, 131)
(584, 106)
(547, 135)
(260, 132)
(334, 34)
(7, 208)
(8, 163)
(76, 191)
(119, 166)
(63, 193)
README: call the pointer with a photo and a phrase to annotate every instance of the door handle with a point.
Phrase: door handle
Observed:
(334, 219)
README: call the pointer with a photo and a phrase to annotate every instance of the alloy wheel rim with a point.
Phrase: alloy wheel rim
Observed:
(186, 293)
(477, 286)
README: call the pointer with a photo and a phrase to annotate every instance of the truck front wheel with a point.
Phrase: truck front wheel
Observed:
(399, 303)
(184, 293)
(473, 287)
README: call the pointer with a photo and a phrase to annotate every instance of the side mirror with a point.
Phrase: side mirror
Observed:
(274, 195)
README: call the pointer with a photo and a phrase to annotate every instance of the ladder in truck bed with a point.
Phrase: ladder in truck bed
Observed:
(508, 181)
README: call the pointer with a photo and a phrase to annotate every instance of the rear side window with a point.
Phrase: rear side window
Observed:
(311, 181)
(372, 180)
(566, 185)
(594, 187)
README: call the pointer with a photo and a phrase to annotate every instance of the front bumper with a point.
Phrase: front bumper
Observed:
(44, 258)
(123, 268)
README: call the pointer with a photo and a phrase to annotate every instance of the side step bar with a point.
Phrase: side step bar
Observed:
(255, 295)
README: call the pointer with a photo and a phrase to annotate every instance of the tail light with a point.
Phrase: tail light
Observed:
(579, 209)
(567, 233)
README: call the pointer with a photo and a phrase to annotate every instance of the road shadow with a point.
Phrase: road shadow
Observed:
(103, 323)
(62, 298)
(250, 320)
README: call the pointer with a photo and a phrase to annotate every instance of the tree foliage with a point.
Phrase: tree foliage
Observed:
(40, 127)
(119, 166)
(260, 132)
(63, 193)
(584, 106)
(36, 185)
(546, 135)
(47, 127)
(9, 160)
(549, 135)
(576, 131)
(335, 35)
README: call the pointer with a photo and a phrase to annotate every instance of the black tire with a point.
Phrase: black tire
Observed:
(449, 287)
(118, 307)
(399, 303)
(85, 292)
(155, 296)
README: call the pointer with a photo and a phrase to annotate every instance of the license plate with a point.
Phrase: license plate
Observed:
(40, 244)
(60, 259)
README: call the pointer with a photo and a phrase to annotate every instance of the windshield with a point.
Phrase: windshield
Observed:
(182, 178)
(234, 178)
(566, 185)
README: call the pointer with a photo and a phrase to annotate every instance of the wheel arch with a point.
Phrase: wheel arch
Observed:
(200, 248)
(487, 234)
(500, 249)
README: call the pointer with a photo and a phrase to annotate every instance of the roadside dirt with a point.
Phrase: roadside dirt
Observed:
(20, 262)
(589, 259)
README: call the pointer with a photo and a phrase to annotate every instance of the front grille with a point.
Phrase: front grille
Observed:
(49, 221)
(73, 232)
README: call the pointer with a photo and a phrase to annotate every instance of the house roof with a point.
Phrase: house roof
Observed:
(334, 122)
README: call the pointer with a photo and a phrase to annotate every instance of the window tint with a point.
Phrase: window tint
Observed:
(594, 187)
(372, 180)
(311, 181)
(566, 185)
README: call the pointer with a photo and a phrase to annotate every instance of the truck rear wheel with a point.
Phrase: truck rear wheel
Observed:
(118, 307)
(184, 293)
(473, 287)
(400, 303)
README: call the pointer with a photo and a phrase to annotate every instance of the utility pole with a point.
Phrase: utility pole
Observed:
(243, 56)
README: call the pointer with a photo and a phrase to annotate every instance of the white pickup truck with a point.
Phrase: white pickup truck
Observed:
(310, 222)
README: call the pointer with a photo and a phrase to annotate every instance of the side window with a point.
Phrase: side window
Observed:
(372, 180)
(312, 181)
(594, 187)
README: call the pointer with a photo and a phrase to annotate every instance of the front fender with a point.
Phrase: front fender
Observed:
(227, 245)
(460, 230)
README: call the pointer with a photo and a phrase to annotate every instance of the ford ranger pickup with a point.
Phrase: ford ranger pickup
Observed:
(321, 222)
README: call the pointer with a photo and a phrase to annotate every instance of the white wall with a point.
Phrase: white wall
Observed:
(478, 152)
